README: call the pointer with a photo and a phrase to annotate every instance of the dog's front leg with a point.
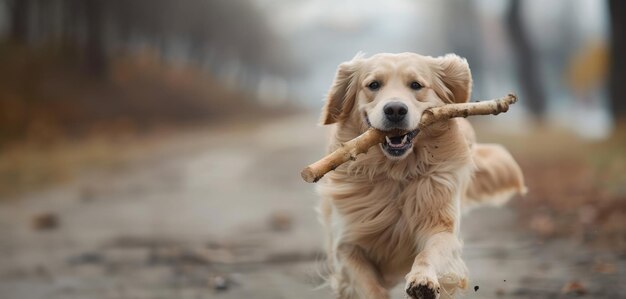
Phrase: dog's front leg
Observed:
(438, 269)
(355, 276)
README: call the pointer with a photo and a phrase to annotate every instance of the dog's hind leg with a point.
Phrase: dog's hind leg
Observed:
(354, 276)
(496, 179)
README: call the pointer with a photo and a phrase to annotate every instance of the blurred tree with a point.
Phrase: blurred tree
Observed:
(529, 76)
(95, 47)
(465, 37)
(587, 68)
(231, 31)
(617, 73)
(19, 10)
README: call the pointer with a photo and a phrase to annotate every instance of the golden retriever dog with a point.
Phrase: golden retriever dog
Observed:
(395, 212)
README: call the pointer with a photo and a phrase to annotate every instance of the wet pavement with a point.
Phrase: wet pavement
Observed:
(224, 214)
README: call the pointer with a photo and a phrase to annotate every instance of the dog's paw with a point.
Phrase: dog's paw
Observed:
(422, 286)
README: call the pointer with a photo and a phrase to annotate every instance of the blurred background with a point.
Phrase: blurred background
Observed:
(152, 148)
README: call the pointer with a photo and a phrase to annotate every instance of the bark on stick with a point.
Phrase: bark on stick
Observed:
(361, 144)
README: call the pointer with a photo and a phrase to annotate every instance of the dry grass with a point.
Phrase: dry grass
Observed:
(45, 94)
(56, 121)
(29, 166)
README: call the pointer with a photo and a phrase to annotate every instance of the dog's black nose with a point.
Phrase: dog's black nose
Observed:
(395, 111)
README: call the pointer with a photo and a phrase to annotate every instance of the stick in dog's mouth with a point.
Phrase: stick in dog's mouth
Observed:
(397, 141)
(359, 145)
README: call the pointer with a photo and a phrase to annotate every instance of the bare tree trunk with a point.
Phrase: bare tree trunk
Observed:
(94, 49)
(19, 10)
(617, 75)
(69, 23)
(530, 80)
(464, 35)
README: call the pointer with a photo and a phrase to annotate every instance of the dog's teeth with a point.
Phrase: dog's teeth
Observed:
(388, 140)
(404, 139)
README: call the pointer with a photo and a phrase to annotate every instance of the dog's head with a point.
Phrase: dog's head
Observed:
(390, 92)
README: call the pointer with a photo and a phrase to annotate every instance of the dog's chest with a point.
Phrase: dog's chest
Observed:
(390, 216)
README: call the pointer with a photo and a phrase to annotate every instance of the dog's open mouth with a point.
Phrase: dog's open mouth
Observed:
(398, 145)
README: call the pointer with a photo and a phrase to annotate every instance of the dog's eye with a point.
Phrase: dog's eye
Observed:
(375, 85)
(416, 86)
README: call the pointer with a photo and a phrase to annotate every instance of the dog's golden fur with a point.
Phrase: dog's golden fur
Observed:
(390, 218)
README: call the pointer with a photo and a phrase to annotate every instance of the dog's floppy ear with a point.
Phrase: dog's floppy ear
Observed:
(342, 95)
(453, 82)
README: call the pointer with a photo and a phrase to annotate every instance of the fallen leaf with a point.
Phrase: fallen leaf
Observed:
(45, 221)
(605, 268)
(281, 221)
(543, 224)
(574, 287)
(500, 292)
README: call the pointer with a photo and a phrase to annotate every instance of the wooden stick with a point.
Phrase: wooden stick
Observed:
(361, 144)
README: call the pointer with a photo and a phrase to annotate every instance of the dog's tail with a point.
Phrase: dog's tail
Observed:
(496, 179)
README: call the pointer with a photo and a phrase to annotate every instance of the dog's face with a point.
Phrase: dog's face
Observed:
(390, 92)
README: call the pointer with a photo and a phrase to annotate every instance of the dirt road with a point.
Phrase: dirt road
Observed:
(224, 214)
